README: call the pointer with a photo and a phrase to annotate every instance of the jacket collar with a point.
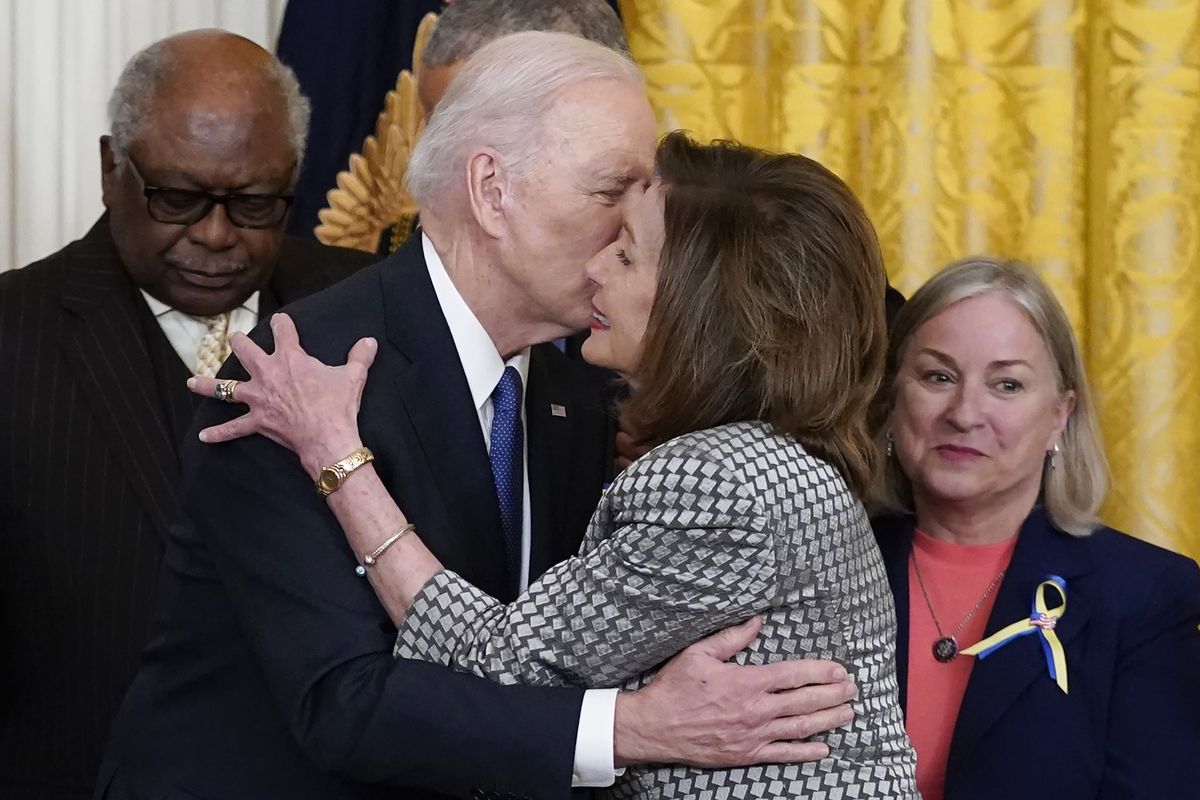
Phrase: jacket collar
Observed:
(431, 390)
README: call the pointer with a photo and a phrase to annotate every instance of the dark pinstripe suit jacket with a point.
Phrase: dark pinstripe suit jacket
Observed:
(91, 415)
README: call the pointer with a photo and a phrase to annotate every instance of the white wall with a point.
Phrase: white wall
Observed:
(59, 60)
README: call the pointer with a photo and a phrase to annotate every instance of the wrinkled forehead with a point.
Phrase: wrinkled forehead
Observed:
(215, 144)
(605, 126)
(242, 107)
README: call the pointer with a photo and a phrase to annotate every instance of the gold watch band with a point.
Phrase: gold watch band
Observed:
(331, 478)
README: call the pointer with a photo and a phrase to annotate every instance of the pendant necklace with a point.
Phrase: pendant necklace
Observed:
(946, 647)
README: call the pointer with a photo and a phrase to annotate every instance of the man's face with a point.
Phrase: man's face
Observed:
(222, 144)
(432, 84)
(597, 156)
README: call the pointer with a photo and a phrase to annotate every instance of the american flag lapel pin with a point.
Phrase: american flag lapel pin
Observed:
(557, 410)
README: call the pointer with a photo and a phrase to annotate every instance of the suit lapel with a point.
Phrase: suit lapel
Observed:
(106, 347)
(170, 376)
(894, 535)
(997, 681)
(432, 392)
(550, 426)
(268, 301)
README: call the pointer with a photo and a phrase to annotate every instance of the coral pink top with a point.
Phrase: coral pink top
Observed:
(956, 577)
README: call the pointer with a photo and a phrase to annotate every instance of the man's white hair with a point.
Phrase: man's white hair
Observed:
(149, 68)
(500, 100)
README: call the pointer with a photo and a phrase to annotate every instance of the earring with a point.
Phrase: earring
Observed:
(891, 448)
(1052, 454)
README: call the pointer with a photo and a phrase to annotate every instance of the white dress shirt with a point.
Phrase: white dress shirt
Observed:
(483, 367)
(184, 331)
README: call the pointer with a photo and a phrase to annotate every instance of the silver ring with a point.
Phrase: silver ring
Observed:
(224, 391)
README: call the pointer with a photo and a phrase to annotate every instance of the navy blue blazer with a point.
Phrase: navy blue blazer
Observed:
(1130, 727)
(269, 671)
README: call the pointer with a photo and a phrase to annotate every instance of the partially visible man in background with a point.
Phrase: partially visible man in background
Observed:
(467, 25)
(96, 343)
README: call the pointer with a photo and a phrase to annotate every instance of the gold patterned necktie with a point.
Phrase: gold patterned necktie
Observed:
(214, 345)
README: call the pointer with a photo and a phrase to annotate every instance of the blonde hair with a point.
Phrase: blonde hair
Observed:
(1073, 491)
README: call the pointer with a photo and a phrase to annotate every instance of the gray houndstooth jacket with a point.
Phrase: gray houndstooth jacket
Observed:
(699, 534)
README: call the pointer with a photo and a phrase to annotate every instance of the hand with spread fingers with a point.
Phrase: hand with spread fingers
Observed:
(294, 400)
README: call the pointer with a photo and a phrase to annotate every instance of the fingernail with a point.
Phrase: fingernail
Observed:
(191, 383)
(838, 673)
(204, 436)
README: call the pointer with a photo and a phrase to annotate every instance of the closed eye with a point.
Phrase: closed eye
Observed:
(624, 259)
(611, 197)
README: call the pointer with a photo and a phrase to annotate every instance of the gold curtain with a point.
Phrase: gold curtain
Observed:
(1061, 133)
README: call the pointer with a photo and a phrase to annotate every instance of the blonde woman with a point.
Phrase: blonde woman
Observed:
(995, 471)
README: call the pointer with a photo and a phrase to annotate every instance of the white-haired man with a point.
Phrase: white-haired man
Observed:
(272, 674)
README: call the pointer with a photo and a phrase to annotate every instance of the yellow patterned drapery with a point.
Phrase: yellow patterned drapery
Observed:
(1064, 133)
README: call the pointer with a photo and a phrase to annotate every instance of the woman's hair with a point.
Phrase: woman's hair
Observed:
(770, 304)
(1074, 489)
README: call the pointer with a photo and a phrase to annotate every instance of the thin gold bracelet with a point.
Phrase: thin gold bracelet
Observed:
(373, 556)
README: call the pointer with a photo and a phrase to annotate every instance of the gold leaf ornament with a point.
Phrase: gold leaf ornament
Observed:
(370, 198)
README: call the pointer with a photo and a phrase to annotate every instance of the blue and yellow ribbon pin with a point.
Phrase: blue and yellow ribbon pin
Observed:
(1042, 621)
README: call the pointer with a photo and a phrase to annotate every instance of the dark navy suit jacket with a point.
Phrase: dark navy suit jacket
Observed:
(270, 669)
(1130, 726)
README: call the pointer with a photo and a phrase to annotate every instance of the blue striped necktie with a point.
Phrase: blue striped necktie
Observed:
(507, 455)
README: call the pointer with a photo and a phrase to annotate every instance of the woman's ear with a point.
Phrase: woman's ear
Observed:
(487, 191)
(1062, 414)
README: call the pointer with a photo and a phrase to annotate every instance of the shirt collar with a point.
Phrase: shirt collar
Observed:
(477, 352)
(158, 308)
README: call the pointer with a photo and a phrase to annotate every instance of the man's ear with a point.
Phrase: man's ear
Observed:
(488, 190)
(110, 175)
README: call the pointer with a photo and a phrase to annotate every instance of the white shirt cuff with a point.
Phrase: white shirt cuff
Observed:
(594, 741)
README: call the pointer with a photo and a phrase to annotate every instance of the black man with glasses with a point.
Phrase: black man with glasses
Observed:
(96, 343)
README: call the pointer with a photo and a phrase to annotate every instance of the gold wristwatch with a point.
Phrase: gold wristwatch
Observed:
(330, 479)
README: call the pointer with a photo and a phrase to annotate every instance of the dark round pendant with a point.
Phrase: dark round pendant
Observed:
(945, 649)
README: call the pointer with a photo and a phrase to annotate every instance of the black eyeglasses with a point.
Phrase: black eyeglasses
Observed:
(189, 206)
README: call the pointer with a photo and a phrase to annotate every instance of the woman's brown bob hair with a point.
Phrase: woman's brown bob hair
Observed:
(770, 305)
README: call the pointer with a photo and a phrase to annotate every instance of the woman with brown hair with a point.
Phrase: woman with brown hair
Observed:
(743, 300)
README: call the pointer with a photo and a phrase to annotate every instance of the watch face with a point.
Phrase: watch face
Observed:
(328, 480)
